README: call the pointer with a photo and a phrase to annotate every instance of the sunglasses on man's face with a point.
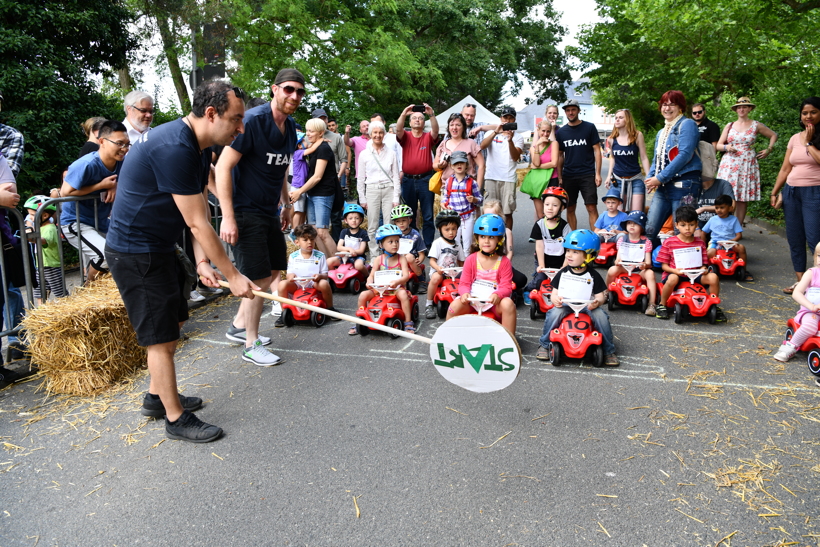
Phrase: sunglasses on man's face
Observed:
(289, 90)
(697, 112)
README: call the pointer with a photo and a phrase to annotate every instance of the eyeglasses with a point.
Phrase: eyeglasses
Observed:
(144, 110)
(697, 112)
(289, 90)
(118, 144)
(470, 105)
(668, 104)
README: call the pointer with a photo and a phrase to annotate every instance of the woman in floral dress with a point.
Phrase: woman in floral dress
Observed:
(739, 162)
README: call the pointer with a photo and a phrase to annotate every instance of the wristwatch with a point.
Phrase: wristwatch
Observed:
(287, 206)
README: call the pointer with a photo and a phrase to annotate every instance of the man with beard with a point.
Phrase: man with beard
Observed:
(579, 163)
(139, 113)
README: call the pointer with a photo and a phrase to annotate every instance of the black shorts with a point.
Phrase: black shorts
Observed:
(152, 286)
(585, 184)
(260, 247)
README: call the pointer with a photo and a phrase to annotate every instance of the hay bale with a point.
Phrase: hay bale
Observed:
(520, 174)
(83, 343)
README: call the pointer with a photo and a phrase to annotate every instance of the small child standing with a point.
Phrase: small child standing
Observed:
(446, 252)
(352, 239)
(48, 240)
(724, 226)
(612, 218)
(487, 274)
(306, 262)
(686, 222)
(807, 294)
(549, 234)
(582, 247)
(416, 252)
(635, 247)
(461, 193)
(387, 237)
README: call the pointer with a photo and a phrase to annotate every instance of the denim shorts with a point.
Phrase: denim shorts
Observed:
(318, 211)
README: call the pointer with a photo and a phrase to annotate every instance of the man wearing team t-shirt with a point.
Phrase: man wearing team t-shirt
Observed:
(579, 163)
(159, 192)
(251, 178)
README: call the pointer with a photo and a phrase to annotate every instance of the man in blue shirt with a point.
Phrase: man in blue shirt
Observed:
(251, 177)
(95, 173)
(159, 192)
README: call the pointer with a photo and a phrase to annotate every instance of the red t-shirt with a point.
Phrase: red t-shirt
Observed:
(417, 153)
(667, 253)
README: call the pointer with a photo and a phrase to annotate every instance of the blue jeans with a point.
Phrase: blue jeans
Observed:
(318, 211)
(12, 311)
(667, 199)
(599, 318)
(800, 207)
(415, 191)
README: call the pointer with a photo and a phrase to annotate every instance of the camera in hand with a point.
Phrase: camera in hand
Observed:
(419, 108)
(512, 126)
(445, 157)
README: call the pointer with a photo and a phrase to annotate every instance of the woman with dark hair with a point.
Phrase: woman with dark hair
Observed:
(675, 170)
(628, 158)
(456, 139)
(799, 178)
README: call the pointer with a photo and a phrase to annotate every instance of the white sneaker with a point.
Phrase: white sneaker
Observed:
(276, 309)
(210, 290)
(259, 356)
(196, 297)
(785, 352)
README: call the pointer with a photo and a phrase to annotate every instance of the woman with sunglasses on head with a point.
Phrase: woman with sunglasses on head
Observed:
(675, 170)
(626, 161)
(456, 139)
(543, 157)
(739, 162)
(799, 178)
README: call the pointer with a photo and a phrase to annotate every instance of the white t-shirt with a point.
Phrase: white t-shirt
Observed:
(5, 171)
(446, 255)
(500, 166)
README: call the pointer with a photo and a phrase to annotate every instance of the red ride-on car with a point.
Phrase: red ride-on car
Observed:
(812, 345)
(575, 337)
(541, 298)
(346, 276)
(727, 262)
(606, 256)
(307, 295)
(690, 299)
(447, 291)
(629, 289)
(385, 309)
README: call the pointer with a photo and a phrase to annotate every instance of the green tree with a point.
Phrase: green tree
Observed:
(359, 57)
(50, 53)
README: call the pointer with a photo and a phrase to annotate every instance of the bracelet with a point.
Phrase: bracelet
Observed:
(203, 260)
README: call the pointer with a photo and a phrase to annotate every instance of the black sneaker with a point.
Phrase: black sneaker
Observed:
(331, 317)
(155, 409)
(720, 317)
(190, 428)
(280, 321)
(661, 312)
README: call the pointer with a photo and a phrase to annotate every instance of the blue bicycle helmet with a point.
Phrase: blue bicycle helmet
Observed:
(583, 240)
(387, 230)
(638, 217)
(490, 225)
(352, 208)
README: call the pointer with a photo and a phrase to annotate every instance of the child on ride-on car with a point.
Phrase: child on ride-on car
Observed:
(304, 259)
(446, 252)
(686, 221)
(549, 234)
(580, 283)
(807, 294)
(401, 216)
(629, 250)
(352, 239)
(724, 226)
(387, 237)
(487, 274)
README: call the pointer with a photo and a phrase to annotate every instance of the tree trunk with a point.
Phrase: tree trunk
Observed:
(126, 82)
(169, 47)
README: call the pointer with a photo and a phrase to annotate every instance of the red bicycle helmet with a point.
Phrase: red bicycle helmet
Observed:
(558, 192)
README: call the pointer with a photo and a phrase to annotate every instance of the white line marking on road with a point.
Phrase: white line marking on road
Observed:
(705, 333)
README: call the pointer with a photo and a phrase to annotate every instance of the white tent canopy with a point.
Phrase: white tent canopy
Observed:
(482, 115)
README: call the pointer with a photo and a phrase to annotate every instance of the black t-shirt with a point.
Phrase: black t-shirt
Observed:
(88, 147)
(709, 130)
(166, 161)
(598, 283)
(266, 156)
(327, 185)
(555, 238)
(576, 142)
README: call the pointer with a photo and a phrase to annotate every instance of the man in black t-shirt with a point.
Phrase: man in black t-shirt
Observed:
(579, 163)
(159, 193)
(251, 182)
(709, 130)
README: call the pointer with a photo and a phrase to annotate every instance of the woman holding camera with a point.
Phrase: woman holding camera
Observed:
(456, 139)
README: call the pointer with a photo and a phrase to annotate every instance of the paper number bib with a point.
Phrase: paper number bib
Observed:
(633, 252)
(304, 267)
(575, 287)
(688, 258)
(483, 289)
(385, 277)
(405, 246)
(813, 295)
(352, 242)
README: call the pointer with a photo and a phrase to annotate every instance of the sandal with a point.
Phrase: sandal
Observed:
(790, 290)
(408, 327)
(353, 331)
(749, 278)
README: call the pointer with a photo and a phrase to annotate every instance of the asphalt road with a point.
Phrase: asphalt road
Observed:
(699, 435)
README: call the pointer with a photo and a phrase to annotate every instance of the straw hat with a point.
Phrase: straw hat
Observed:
(743, 101)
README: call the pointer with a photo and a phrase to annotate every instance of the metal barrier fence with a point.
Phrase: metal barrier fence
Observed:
(11, 306)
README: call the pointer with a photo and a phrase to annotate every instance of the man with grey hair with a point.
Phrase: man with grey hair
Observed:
(139, 113)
